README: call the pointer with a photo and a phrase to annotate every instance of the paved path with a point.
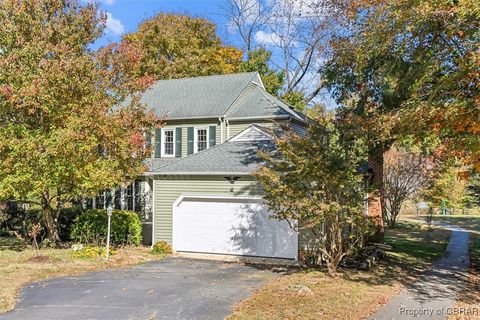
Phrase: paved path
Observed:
(434, 292)
(173, 288)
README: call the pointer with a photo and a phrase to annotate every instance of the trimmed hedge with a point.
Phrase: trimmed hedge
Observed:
(90, 227)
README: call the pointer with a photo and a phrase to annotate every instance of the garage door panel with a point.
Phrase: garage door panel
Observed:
(240, 228)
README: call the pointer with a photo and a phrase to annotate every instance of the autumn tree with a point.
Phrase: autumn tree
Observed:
(405, 175)
(450, 187)
(473, 189)
(408, 68)
(414, 66)
(178, 46)
(60, 136)
(315, 180)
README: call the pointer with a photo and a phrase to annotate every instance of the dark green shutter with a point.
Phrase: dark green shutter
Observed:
(158, 143)
(148, 138)
(178, 142)
(118, 199)
(137, 189)
(189, 140)
(212, 139)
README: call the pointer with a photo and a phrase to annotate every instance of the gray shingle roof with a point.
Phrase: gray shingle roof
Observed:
(198, 97)
(232, 157)
(154, 164)
(256, 102)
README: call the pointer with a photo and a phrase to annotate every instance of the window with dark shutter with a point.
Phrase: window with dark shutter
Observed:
(100, 200)
(168, 142)
(202, 140)
(129, 197)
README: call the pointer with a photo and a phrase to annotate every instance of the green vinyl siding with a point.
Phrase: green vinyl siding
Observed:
(167, 189)
(238, 126)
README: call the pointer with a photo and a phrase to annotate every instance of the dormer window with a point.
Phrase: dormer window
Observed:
(168, 143)
(201, 139)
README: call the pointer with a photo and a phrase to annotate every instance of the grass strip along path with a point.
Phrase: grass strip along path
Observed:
(312, 294)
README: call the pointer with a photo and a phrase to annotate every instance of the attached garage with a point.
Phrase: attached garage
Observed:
(230, 225)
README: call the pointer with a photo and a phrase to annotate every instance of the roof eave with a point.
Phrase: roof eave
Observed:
(204, 173)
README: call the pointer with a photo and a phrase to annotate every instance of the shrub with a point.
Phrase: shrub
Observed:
(91, 227)
(162, 247)
(65, 222)
(16, 219)
(92, 252)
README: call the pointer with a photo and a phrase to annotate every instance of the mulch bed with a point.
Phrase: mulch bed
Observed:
(40, 259)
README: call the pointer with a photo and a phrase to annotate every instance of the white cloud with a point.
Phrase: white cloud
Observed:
(113, 25)
(266, 38)
(108, 2)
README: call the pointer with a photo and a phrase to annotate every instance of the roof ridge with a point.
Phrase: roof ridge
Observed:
(207, 76)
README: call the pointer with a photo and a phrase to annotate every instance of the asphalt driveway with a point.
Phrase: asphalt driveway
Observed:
(173, 288)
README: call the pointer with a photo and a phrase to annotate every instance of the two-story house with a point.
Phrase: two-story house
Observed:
(199, 193)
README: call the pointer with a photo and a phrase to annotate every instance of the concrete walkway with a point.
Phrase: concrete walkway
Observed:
(433, 294)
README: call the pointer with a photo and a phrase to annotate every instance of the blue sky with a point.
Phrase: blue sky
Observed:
(125, 15)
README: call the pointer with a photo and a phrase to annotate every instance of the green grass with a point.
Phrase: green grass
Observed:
(312, 294)
(468, 222)
(411, 241)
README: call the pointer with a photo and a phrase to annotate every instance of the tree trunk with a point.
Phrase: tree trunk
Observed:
(50, 221)
(376, 201)
(332, 268)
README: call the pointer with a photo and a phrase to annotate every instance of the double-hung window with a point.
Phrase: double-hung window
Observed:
(201, 139)
(168, 145)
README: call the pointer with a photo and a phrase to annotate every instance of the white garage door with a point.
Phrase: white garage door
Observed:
(237, 226)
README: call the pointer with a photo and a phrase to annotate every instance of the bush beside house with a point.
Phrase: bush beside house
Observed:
(17, 220)
(162, 248)
(91, 227)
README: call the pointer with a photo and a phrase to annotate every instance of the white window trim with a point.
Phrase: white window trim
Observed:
(195, 137)
(162, 149)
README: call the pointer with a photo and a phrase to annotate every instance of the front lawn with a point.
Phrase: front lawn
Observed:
(20, 265)
(312, 294)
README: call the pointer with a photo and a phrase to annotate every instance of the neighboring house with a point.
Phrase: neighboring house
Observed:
(198, 193)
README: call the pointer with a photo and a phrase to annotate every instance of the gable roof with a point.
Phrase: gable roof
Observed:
(256, 102)
(236, 156)
(238, 95)
(198, 97)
